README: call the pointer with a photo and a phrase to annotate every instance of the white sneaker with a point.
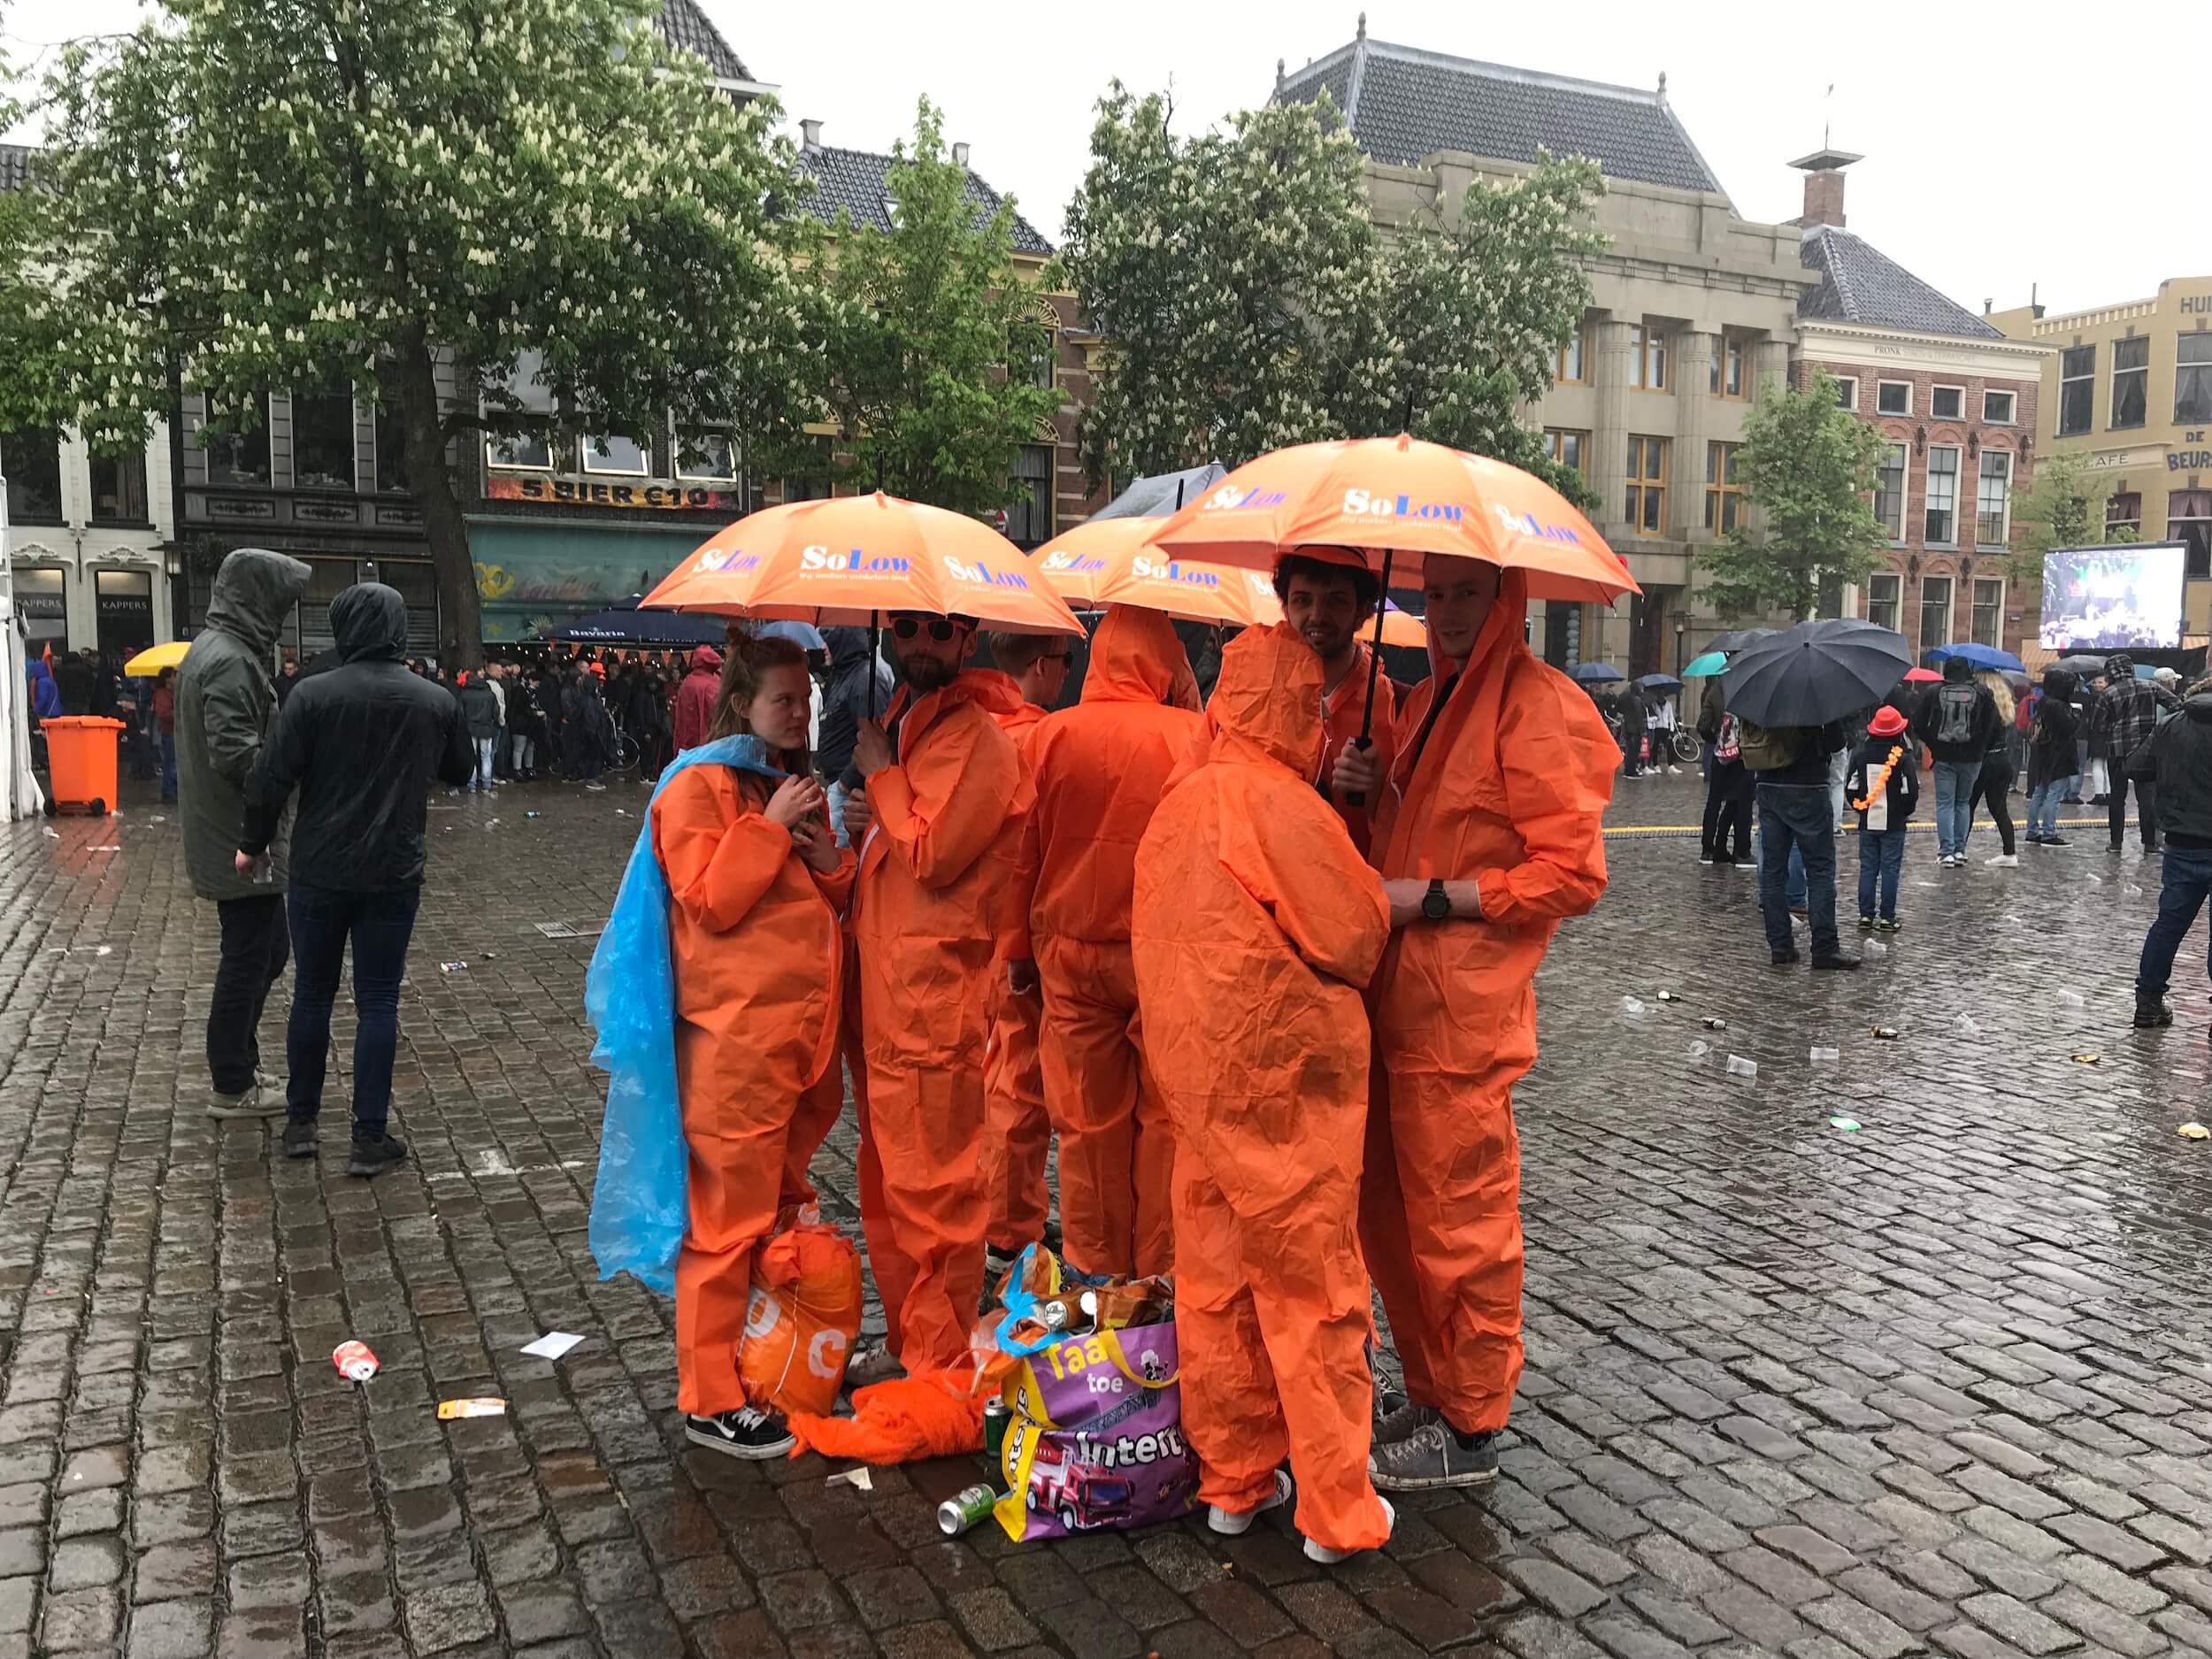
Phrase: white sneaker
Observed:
(2004, 861)
(1329, 1557)
(1236, 1523)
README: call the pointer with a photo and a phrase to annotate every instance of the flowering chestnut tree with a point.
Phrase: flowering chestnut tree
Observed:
(409, 195)
(1248, 302)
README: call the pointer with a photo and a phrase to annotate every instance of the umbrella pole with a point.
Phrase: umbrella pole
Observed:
(1374, 669)
(875, 645)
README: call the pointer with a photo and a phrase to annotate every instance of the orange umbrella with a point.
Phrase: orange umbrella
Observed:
(851, 560)
(1106, 562)
(1403, 628)
(1402, 499)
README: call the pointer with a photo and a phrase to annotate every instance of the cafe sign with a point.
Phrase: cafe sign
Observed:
(570, 492)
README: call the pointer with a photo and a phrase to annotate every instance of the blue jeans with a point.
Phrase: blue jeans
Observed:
(2188, 879)
(484, 747)
(1797, 879)
(1796, 816)
(168, 765)
(1881, 859)
(2043, 804)
(1954, 800)
(379, 925)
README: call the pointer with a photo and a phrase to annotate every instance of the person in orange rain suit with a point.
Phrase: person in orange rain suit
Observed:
(1017, 1133)
(755, 884)
(1328, 593)
(1255, 925)
(1099, 769)
(1486, 834)
(932, 917)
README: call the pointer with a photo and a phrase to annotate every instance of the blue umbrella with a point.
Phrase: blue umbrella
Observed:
(1980, 657)
(808, 637)
(1660, 682)
(1590, 674)
(2146, 671)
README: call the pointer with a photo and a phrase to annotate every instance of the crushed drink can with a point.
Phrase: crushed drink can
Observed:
(1053, 1315)
(1713, 1022)
(1887, 1034)
(354, 1360)
(966, 1508)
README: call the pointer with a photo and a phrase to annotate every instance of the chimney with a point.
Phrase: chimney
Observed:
(1824, 186)
(811, 140)
(960, 154)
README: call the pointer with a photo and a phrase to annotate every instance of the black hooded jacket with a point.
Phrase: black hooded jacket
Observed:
(362, 744)
(2179, 756)
(845, 698)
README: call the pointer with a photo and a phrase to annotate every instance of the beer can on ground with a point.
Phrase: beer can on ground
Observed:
(354, 1360)
(964, 1510)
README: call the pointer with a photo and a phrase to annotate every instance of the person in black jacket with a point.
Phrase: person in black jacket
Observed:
(851, 692)
(2178, 759)
(1958, 721)
(1791, 766)
(1883, 786)
(362, 744)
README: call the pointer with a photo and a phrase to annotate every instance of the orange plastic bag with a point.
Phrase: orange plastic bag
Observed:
(801, 1323)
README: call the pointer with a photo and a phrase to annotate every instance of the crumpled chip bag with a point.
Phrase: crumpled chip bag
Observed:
(802, 1317)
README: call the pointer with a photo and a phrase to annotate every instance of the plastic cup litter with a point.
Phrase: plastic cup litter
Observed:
(1738, 1066)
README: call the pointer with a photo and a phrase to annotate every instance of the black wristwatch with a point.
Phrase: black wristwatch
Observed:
(1436, 904)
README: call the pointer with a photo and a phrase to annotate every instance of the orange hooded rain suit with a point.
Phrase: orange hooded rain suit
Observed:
(1507, 791)
(758, 958)
(1017, 1133)
(1255, 924)
(1099, 769)
(932, 915)
(1341, 718)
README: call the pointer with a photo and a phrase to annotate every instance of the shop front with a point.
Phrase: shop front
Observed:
(534, 574)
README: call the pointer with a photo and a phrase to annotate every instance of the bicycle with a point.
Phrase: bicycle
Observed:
(1685, 745)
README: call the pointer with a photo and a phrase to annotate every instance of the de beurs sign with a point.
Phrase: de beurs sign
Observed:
(569, 492)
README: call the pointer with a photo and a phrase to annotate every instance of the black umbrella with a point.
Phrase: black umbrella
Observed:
(2082, 667)
(1660, 682)
(1815, 673)
(1739, 639)
(1591, 673)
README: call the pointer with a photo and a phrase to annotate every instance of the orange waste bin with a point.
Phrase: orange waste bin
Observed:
(81, 760)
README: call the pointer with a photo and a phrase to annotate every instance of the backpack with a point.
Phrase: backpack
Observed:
(1769, 748)
(1955, 712)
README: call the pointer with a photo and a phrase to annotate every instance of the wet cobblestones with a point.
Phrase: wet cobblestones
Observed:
(1936, 1385)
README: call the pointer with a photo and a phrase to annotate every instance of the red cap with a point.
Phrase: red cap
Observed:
(1886, 722)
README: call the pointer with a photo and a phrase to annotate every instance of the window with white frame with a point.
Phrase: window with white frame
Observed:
(1997, 409)
(705, 454)
(1947, 402)
(1882, 590)
(2131, 380)
(1847, 392)
(530, 450)
(1992, 499)
(1648, 371)
(1889, 492)
(611, 453)
(2077, 388)
(1935, 611)
(239, 456)
(1893, 397)
(1942, 501)
(322, 439)
(1989, 609)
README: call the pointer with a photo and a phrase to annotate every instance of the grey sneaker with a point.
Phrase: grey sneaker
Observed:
(1399, 1417)
(1329, 1557)
(247, 1103)
(873, 1365)
(1432, 1456)
(268, 1083)
(1236, 1522)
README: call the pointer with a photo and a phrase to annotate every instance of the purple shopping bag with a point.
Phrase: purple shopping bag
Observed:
(1096, 1441)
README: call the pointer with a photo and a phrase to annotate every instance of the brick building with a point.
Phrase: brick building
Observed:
(1958, 403)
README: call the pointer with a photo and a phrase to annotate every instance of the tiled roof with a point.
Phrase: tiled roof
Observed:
(15, 166)
(1404, 105)
(1861, 284)
(853, 179)
(687, 27)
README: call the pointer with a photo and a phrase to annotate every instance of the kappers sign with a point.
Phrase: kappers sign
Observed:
(576, 493)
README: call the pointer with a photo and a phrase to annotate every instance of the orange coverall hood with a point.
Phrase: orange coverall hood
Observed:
(1135, 658)
(1268, 700)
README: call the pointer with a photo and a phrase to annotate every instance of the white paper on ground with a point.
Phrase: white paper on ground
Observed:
(551, 1346)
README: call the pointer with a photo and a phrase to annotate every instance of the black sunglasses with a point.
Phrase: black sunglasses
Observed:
(907, 627)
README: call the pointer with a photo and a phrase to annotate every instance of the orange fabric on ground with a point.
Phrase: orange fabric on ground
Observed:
(897, 1422)
(1099, 769)
(758, 959)
(1017, 1133)
(1341, 718)
(1509, 792)
(932, 919)
(1255, 923)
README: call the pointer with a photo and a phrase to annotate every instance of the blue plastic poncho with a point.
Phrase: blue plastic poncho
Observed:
(638, 1209)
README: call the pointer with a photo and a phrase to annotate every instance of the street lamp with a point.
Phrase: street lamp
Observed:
(1680, 628)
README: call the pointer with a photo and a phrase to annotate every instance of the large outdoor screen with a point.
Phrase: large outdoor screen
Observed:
(2103, 598)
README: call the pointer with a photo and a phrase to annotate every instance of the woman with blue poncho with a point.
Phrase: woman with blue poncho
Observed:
(738, 857)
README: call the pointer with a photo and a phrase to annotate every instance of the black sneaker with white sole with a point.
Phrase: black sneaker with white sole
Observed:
(300, 1137)
(372, 1158)
(748, 1431)
(1434, 1455)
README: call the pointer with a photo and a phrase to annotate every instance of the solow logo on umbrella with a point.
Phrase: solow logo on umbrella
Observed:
(820, 558)
(1145, 569)
(964, 572)
(1368, 504)
(728, 559)
(1529, 524)
(1234, 500)
(1076, 564)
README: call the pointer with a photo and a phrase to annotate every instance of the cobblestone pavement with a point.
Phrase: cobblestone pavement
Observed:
(1936, 1384)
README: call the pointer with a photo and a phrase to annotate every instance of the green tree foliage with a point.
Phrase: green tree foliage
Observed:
(930, 345)
(29, 394)
(1809, 470)
(2063, 506)
(407, 196)
(1248, 302)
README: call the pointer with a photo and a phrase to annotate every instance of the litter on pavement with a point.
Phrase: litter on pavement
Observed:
(451, 967)
(1845, 1124)
(1822, 1055)
(482, 1406)
(551, 1346)
(1738, 1066)
(1634, 1009)
(2087, 1059)
(2195, 1131)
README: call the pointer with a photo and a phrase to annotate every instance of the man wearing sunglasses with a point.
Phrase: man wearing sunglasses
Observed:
(938, 824)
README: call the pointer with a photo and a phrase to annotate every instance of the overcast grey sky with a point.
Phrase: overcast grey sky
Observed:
(2002, 148)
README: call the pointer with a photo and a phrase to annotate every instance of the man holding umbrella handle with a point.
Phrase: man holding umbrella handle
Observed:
(1328, 593)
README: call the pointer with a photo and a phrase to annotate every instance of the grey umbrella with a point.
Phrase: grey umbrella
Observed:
(1740, 638)
(2084, 667)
